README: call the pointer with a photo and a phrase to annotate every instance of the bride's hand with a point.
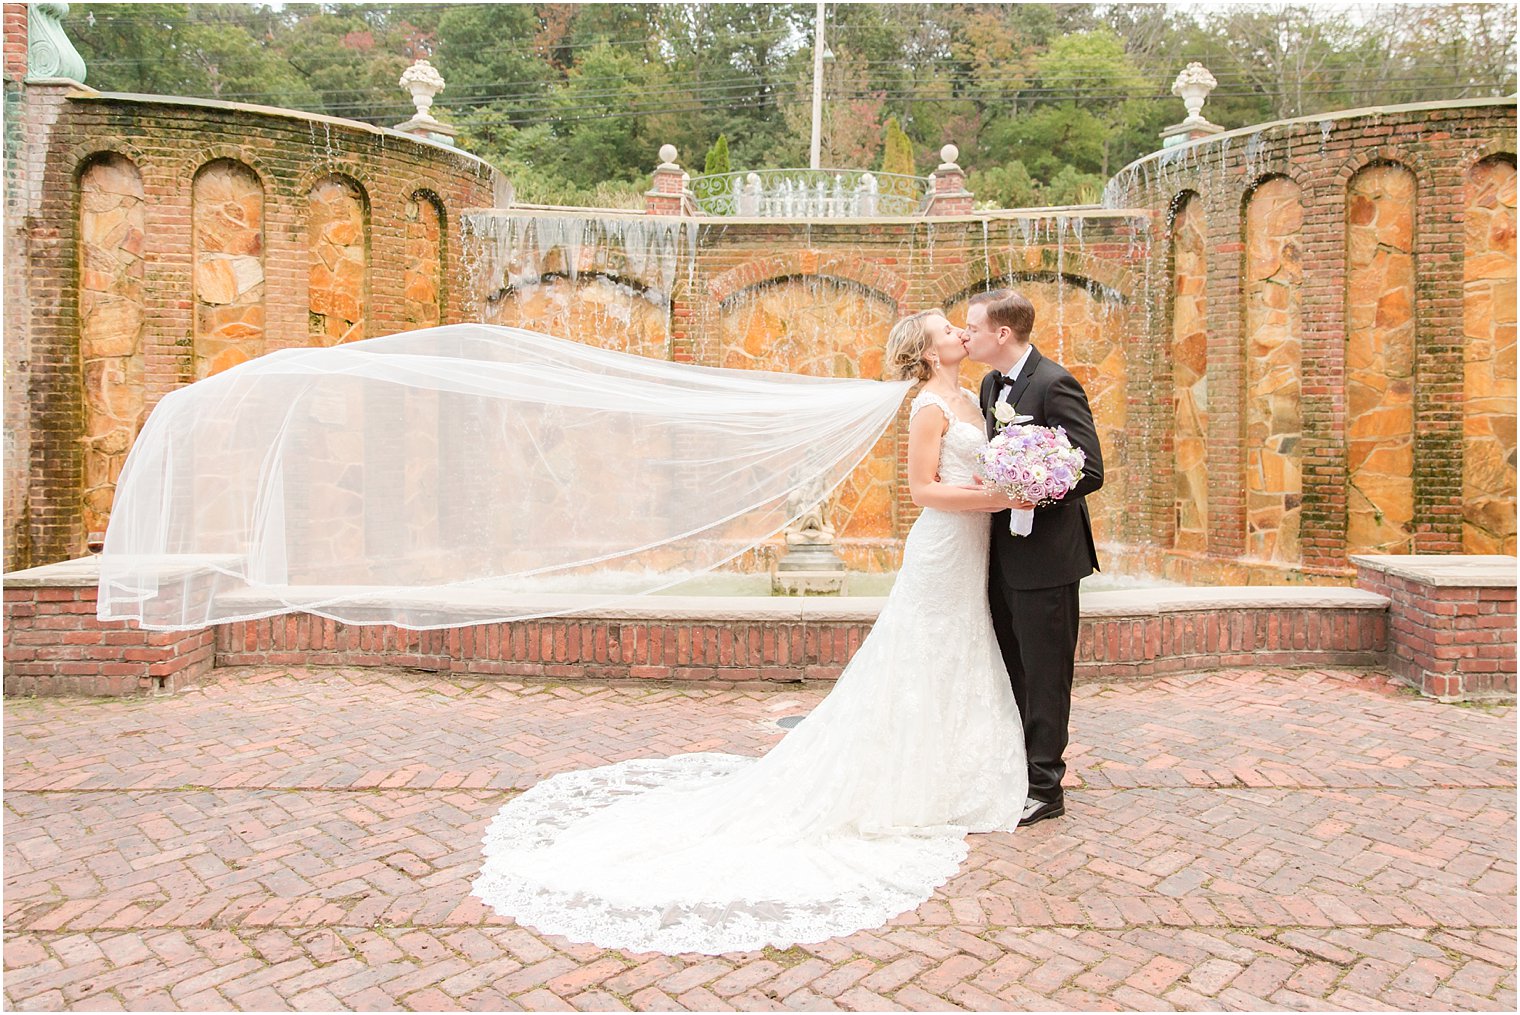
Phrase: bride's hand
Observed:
(1005, 503)
(996, 500)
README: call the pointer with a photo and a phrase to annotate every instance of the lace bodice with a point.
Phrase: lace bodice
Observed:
(958, 448)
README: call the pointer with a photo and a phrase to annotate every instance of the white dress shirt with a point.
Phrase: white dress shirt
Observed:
(1013, 374)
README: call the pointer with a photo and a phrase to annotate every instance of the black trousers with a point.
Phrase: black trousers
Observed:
(1037, 632)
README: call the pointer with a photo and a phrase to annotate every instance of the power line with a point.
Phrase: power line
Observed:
(962, 90)
(526, 119)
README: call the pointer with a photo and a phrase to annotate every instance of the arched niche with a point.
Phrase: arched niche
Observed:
(1272, 291)
(424, 277)
(112, 237)
(1190, 362)
(602, 310)
(227, 262)
(1380, 359)
(337, 245)
(825, 327)
(1488, 369)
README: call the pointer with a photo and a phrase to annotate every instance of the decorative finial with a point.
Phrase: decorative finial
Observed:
(423, 81)
(668, 155)
(1193, 86)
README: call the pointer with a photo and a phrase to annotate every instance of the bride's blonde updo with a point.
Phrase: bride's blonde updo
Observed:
(908, 348)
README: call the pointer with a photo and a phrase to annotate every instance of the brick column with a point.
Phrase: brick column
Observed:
(18, 425)
(950, 196)
(54, 644)
(48, 337)
(665, 195)
(1451, 621)
(15, 42)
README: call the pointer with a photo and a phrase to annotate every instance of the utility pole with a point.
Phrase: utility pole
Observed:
(818, 46)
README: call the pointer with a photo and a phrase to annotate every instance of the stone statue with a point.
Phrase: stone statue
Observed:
(812, 527)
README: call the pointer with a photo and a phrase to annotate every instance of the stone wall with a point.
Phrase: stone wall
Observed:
(1297, 339)
(153, 241)
(1274, 330)
(112, 222)
(819, 298)
(1401, 280)
(1380, 378)
(1294, 348)
(1190, 374)
(1488, 386)
(227, 219)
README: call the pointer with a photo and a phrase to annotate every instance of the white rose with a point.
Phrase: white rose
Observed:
(1004, 413)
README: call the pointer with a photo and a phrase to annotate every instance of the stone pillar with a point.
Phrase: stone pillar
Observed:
(950, 196)
(666, 195)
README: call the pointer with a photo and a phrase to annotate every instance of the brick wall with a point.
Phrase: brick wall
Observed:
(15, 533)
(1122, 254)
(1452, 632)
(54, 645)
(1437, 143)
(168, 140)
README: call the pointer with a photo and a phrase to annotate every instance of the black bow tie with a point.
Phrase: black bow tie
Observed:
(999, 379)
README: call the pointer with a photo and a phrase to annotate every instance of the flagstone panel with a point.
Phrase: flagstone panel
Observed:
(112, 224)
(1273, 284)
(1380, 356)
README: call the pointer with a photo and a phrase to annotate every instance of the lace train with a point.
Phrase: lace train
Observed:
(654, 914)
(857, 815)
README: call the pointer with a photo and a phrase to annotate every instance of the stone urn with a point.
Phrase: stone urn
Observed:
(423, 81)
(1193, 86)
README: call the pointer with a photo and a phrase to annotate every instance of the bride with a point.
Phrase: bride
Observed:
(860, 812)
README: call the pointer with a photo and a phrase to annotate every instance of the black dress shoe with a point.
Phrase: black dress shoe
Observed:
(1039, 810)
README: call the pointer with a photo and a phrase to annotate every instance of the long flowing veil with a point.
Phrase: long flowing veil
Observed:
(464, 474)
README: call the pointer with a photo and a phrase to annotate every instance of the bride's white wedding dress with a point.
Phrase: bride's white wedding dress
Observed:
(858, 814)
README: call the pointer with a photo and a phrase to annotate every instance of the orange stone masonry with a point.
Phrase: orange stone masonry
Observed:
(423, 282)
(1380, 330)
(1274, 367)
(337, 248)
(1190, 382)
(111, 308)
(1488, 388)
(1274, 391)
(227, 202)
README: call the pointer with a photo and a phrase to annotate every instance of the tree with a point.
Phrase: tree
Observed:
(716, 163)
(597, 144)
(898, 157)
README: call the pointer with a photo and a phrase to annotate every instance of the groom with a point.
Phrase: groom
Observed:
(1032, 582)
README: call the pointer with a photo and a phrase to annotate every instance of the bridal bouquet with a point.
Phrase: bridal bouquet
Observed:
(1035, 464)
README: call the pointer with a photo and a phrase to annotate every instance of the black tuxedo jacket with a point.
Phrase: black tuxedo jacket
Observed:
(1060, 549)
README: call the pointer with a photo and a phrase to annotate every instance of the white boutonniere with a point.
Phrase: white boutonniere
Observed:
(1005, 414)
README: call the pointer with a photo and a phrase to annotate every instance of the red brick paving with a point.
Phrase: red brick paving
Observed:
(287, 839)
